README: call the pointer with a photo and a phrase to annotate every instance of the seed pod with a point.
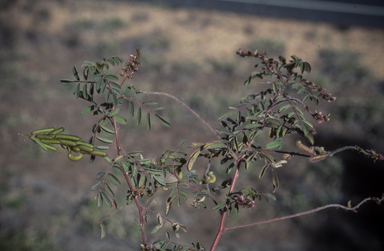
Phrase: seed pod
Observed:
(75, 149)
(180, 175)
(305, 148)
(98, 153)
(50, 141)
(37, 141)
(52, 148)
(67, 137)
(46, 130)
(75, 158)
(57, 131)
(213, 178)
(318, 158)
(42, 136)
(85, 148)
(84, 144)
(68, 142)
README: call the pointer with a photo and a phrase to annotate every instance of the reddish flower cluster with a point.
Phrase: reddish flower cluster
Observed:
(131, 66)
(245, 202)
(320, 117)
(323, 91)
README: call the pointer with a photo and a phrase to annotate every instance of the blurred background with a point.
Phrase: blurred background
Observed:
(188, 50)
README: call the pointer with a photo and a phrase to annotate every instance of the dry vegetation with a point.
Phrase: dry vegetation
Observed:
(189, 53)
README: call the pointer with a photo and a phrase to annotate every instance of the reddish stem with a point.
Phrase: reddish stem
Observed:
(224, 211)
(139, 208)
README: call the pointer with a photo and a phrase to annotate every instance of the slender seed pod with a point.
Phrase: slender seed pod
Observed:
(46, 130)
(75, 149)
(57, 131)
(67, 137)
(42, 136)
(75, 158)
(318, 158)
(98, 153)
(68, 142)
(85, 148)
(64, 147)
(305, 148)
(52, 148)
(84, 144)
(50, 141)
(37, 141)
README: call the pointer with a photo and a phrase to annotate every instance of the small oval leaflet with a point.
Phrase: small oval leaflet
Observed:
(114, 179)
(95, 186)
(113, 113)
(107, 141)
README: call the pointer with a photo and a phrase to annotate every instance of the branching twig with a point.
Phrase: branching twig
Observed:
(378, 200)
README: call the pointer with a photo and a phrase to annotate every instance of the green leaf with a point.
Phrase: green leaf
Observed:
(99, 200)
(100, 175)
(227, 114)
(150, 102)
(169, 204)
(139, 116)
(109, 191)
(95, 186)
(275, 181)
(182, 143)
(192, 159)
(66, 82)
(102, 227)
(159, 181)
(114, 179)
(283, 108)
(271, 196)
(262, 172)
(131, 108)
(75, 73)
(214, 145)
(107, 141)
(155, 229)
(306, 97)
(121, 120)
(88, 109)
(309, 137)
(102, 147)
(106, 199)
(111, 61)
(77, 91)
(113, 113)
(273, 144)
(114, 100)
(162, 120)
(106, 130)
(113, 77)
(218, 207)
(149, 121)
(157, 108)
(85, 91)
(127, 89)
